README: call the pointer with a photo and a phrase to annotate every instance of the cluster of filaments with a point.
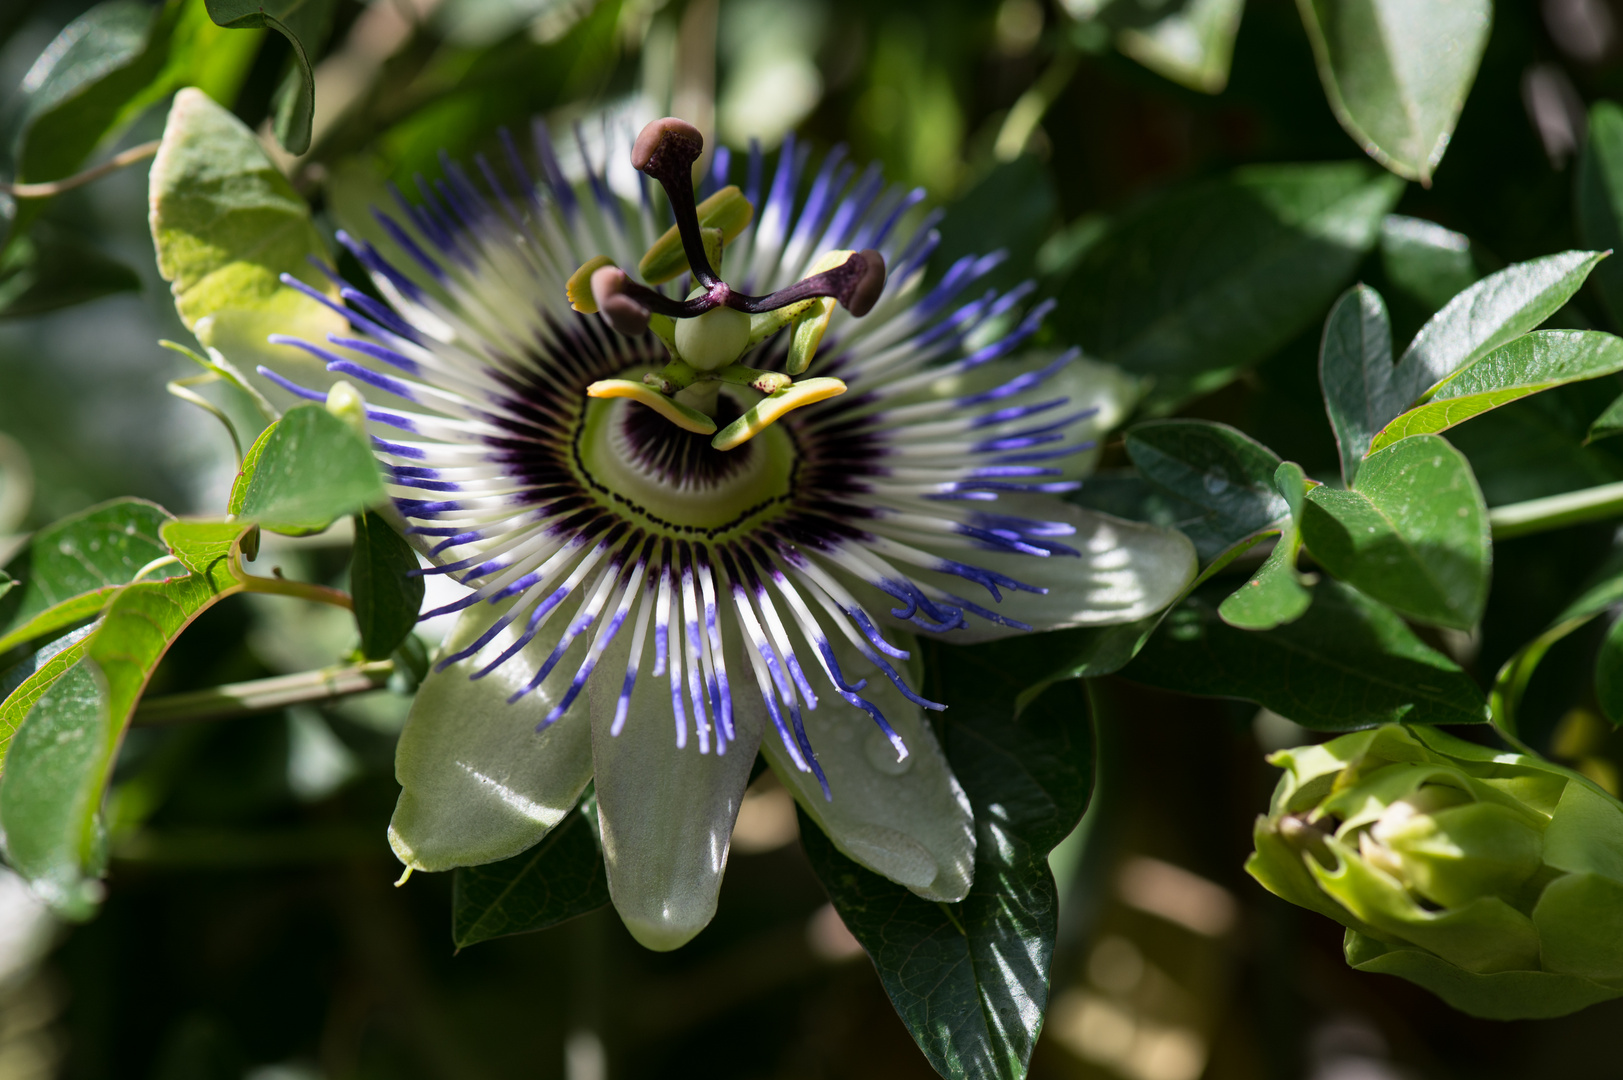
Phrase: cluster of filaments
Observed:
(890, 484)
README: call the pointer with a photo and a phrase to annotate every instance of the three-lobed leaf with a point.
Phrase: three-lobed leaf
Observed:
(305, 24)
(1220, 469)
(974, 1004)
(1412, 532)
(1200, 284)
(1527, 365)
(1397, 72)
(1347, 663)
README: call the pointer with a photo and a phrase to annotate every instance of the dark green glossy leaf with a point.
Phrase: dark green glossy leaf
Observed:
(1347, 663)
(71, 568)
(305, 24)
(49, 269)
(558, 879)
(102, 70)
(1600, 200)
(25, 682)
(1355, 372)
(1197, 285)
(1528, 365)
(1397, 72)
(388, 595)
(1429, 263)
(52, 789)
(1496, 310)
(1412, 532)
(1012, 208)
(1609, 674)
(970, 980)
(1223, 471)
(313, 469)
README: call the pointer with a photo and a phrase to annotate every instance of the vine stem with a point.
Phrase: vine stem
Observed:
(281, 586)
(56, 187)
(263, 695)
(1556, 511)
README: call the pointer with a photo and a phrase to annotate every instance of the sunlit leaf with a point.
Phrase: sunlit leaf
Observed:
(1197, 285)
(1412, 532)
(1355, 371)
(226, 225)
(1190, 42)
(1496, 310)
(305, 24)
(312, 469)
(1528, 365)
(1347, 663)
(1276, 593)
(1397, 72)
(1428, 262)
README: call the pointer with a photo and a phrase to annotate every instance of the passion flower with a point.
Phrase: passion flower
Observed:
(680, 551)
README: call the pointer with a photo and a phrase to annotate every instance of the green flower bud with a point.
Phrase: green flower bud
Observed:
(1495, 880)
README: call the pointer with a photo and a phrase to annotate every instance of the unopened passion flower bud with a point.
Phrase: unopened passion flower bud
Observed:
(1494, 880)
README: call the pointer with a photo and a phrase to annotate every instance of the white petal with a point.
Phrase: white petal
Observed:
(908, 820)
(1126, 570)
(667, 814)
(478, 783)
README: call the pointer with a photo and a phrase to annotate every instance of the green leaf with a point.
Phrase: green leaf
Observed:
(973, 1004)
(202, 545)
(50, 269)
(1013, 208)
(1426, 261)
(1528, 365)
(1276, 594)
(1200, 284)
(1222, 470)
(1347, 663)
(305, 24)
(1496, 310)
(388, 593)
(1355, 372)
(1609, 674)
(226, 225)
(71, 568)
(1609, 422)
(99, 73)
(1412, 532)
(52, 789)
(558, 879)
(312, 469)
(43, 669)
(1600, 200)
(1397, 72)
(1191, 42)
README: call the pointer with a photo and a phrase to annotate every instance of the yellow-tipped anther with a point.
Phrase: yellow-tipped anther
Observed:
(769, 410)
(809, 325)
(579, 286)
(683, 417)
(727, 210)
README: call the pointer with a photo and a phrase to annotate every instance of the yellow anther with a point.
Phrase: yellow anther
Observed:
(809, 324)
(769, 410)
(579, 286)
(727, 211)
(683, 417)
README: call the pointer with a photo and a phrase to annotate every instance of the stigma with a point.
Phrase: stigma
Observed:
(709, 332)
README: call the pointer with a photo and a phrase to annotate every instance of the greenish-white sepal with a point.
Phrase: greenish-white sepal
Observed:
(667, 814)
(907, 820)
(1124, 570)
(478, 782)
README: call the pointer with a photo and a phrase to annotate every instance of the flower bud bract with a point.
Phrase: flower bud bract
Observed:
(1493, 879)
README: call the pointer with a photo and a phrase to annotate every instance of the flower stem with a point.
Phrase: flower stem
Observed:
(56, 187)
(281, 586)
(1557, 511)
(264, 695)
